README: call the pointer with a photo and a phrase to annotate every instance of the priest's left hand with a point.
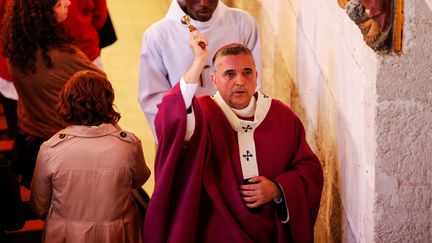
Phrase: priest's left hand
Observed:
(259, 192)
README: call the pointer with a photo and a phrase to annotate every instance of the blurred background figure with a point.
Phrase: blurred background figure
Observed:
(85, 19)
(8, 94)
(107, 34)
(41, 58)
(85, 174)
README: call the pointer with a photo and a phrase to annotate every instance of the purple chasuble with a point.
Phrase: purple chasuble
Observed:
(197, 198)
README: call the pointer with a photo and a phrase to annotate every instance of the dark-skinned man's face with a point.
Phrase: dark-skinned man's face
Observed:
(201, 10)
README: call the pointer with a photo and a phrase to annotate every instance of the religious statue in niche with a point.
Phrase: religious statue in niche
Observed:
(374, 18)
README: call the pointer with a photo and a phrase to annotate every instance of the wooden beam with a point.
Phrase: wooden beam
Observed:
(398, 24)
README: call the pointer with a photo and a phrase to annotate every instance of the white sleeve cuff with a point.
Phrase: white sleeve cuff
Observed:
(188, 91)
(190, 125)
(281, 200)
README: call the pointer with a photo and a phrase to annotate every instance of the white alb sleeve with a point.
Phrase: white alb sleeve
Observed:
(188, 92)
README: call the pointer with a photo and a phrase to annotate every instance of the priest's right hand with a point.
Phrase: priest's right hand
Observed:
(198, 43)
(200, 57)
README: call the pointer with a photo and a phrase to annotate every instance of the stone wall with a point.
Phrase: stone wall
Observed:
(403, 207)
(367, 116)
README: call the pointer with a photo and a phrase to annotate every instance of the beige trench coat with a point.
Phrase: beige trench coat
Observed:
(82, 183)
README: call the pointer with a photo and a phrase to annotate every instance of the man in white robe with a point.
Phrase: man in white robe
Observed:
(166, 56)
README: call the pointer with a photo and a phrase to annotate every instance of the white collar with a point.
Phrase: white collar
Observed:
(262, 107)
(245, 131)
(175, 13)
(248, 111)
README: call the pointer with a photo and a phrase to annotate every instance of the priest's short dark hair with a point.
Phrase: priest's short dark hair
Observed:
(231, 49)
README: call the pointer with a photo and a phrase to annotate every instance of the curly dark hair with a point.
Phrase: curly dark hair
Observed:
(31, 26)
(87, 99)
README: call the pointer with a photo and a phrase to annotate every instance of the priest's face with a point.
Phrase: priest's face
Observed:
(235, 79)
(201, 10)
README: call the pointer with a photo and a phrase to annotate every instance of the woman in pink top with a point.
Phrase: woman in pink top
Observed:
(85, 173)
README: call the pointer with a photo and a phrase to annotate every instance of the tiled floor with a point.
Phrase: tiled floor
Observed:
(121, 62)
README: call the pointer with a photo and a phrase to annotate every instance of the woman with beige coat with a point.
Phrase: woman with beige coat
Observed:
(85, 173)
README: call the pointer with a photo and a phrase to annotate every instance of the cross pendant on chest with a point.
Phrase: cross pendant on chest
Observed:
(201, 79)
(247, 155)
(247, 128)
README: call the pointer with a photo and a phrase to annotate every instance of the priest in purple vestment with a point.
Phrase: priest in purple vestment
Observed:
(233, 167)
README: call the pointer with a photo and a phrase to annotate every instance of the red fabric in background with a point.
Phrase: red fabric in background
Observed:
(4, 73)
(85, 18)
